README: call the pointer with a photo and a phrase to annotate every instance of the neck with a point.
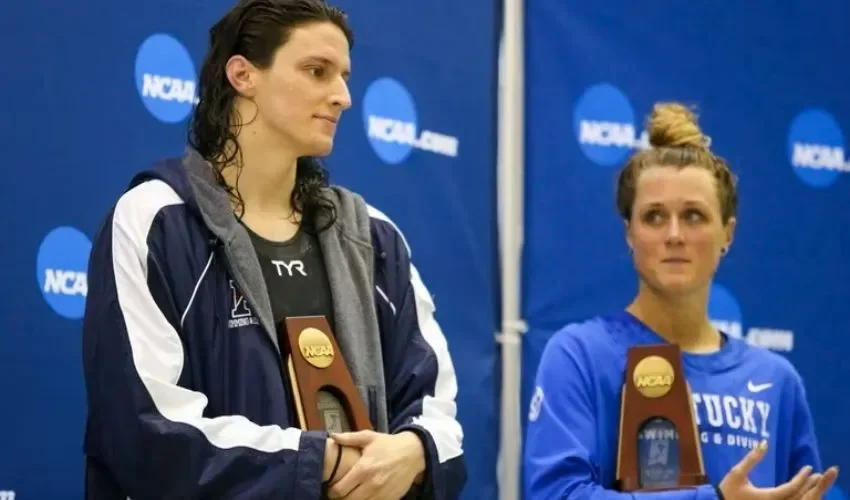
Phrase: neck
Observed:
(267, 176)
(682, 321)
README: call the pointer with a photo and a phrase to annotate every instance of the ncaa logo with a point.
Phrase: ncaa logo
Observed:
(816, 148)
(604, 124)
(61, 271)
(724, 311)
(391, 123)
(165, 78)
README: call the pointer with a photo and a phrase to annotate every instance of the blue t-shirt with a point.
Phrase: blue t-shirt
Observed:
(741, 395)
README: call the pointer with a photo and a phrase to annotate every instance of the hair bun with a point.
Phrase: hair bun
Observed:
(671, 124)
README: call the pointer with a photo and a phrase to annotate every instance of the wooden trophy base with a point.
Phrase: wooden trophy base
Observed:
(326, 397)
(655, 389)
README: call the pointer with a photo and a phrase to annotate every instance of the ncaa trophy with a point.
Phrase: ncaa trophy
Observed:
(322, 387)
(658, 444)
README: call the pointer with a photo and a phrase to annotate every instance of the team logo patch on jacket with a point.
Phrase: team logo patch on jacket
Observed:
(240, 313)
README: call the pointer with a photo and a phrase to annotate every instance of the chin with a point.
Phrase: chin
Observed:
(319, 148)
(676, 286)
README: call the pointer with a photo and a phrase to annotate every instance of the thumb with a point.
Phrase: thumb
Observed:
(359, 438)
(751, 459)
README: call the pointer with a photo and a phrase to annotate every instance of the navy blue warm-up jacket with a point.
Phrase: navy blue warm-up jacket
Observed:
(185, 388)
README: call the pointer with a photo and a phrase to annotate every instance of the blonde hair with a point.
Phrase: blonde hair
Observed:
(677, 141)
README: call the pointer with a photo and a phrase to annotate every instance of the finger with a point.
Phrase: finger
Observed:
(356, 493)
(359, 439)
(750, 460)
(792, 487)
(363, 492)
(344, 487)
(811, 482)
(376, 487)
(824, 484)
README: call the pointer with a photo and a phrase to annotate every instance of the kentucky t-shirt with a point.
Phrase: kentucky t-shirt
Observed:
(741, 395)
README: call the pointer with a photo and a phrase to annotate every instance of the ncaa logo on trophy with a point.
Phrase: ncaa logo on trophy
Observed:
(316, 347)
(654, 376)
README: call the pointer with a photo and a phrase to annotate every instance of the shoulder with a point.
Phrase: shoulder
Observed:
(152, 222)
(364, 221)
(384, 230)
(593, 332)
(776, 368)
(367, 221)
(767, 359)
(580, 359)
(587, 340)
(137, 209)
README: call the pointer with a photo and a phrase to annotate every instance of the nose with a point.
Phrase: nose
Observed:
(674, 232)
(342, 97)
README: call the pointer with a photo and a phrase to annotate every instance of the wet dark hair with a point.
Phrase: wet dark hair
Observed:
(256, 29)
(678, 142)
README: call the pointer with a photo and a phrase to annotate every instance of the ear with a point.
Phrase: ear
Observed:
(629, 235)
(729, 232)
(242, 75)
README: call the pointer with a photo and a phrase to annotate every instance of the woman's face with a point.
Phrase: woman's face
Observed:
(676, 232)
(300, 98)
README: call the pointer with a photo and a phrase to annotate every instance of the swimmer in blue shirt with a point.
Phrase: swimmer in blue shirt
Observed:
(754, 426)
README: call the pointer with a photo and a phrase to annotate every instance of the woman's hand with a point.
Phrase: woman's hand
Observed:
(803, 486)
(387, 468)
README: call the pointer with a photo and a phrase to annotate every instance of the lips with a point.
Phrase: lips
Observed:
(676, 260)
(328, 118)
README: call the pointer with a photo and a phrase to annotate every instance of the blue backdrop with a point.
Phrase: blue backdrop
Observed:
(771, 86)
(84, 111)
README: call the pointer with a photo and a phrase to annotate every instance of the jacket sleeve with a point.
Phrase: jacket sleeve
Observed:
(421, 381)
(150, 434)
(562, 432)
(804, 445)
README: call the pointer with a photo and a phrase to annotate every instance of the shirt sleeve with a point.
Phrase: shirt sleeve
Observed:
(804, 446)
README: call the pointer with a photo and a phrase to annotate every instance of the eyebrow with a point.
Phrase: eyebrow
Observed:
(688, 203)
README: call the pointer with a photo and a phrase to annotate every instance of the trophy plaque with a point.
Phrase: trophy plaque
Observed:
(322, 387)
(658, 444)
